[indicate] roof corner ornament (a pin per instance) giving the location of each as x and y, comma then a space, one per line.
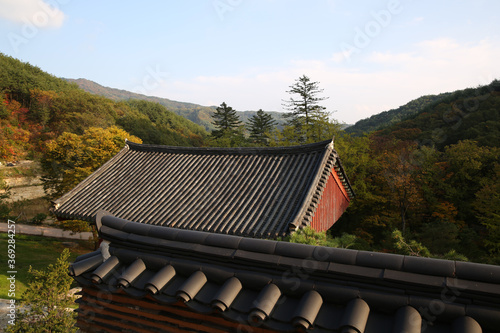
331, 144
126, 143
104, 247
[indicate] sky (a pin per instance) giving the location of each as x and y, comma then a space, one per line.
367, 56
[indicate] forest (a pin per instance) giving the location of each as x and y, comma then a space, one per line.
426, 176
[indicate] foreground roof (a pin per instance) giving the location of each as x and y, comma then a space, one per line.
154, 279
256, 192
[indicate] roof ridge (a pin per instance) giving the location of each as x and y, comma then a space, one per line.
311, 147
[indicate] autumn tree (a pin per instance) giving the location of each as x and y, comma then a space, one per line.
71, 158
401, 176
260, 126
305, 112
41, 102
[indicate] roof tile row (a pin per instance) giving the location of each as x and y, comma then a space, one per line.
291, 286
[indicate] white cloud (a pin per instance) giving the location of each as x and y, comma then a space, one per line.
39, 13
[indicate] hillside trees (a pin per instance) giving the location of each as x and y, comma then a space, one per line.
154, 124
447, 199
36, 107
71, 158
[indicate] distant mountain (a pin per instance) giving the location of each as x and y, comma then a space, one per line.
199, 114
393, 116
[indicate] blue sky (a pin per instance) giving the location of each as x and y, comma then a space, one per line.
368, 56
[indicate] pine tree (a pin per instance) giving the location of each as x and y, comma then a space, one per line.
46, 301
259, 126
226, 121
306, 114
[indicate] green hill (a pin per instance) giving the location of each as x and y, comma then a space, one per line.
393, 116
469, 114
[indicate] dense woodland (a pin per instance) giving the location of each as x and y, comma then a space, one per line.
426, 180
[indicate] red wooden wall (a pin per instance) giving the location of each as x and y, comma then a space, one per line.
333, 203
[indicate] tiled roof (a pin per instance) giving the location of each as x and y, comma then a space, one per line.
256, 192
154, 278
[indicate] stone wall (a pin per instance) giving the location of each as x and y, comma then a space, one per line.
23, 187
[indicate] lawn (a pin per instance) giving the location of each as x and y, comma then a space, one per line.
36, 251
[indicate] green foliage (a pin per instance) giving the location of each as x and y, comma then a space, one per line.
453, 255
46, 301
18, 78
260, 126
309, 236
36, 252
71, 158
76, 226
412, 247
39, 218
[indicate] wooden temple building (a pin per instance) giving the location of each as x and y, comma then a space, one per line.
252, 192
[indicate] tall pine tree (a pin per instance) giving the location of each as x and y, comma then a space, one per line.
306, 113
226, 121
229, 129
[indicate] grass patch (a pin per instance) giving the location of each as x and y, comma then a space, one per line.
36, 251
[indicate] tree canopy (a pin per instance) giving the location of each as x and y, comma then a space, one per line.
71, 158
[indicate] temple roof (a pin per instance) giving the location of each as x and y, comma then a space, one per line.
255, 192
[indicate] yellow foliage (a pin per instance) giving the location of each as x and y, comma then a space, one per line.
71, 158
